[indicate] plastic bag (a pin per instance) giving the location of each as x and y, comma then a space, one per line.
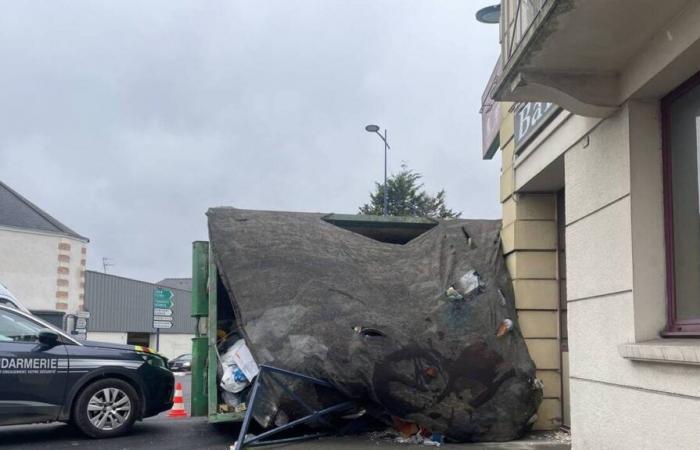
242, 357
239, 367
233, 379
230, 398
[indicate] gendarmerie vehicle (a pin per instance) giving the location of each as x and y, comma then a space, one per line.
46, 375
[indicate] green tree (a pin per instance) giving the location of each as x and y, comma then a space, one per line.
407, 198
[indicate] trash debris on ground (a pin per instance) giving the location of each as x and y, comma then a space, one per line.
371, 318
420, 437
338, 413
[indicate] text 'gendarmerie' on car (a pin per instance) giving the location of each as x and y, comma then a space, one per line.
45, 375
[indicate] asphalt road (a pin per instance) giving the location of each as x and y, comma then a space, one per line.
161, 432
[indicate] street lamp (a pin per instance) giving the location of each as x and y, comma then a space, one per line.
375, 129
490, 14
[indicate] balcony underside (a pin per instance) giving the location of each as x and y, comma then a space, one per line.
589, 56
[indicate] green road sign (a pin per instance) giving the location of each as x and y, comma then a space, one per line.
163, 298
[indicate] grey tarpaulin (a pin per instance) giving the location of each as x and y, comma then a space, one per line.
380, 321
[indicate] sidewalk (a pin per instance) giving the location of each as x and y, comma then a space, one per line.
549, 440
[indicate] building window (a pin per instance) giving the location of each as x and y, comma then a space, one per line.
681, 155
142, 339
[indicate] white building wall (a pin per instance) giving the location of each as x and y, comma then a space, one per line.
114, 338
173, 345
613, 263
616, 280
43, 270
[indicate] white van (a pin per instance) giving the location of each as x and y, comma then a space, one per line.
7, 299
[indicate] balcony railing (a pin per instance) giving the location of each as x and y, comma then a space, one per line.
517, 17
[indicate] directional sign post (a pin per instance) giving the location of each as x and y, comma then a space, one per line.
80, 324
162, 311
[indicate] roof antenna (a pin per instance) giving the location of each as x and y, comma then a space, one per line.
106, 262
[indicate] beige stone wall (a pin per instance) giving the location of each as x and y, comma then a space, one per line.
44, 271
529, 241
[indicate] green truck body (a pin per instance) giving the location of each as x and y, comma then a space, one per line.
205, 309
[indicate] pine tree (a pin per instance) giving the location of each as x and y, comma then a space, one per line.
407, 198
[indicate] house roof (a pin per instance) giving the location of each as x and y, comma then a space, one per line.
177, 283
18, 212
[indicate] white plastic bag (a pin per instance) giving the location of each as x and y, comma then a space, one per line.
239, 367
233, 379
243, 359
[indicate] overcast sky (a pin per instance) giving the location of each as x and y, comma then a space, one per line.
126, 120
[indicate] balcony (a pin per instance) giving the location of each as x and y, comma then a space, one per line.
590, 56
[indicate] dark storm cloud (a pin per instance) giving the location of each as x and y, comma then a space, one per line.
127, 120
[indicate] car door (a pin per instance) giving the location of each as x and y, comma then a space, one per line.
32, 375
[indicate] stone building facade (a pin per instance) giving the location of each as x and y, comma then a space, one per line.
598, 106
43, 261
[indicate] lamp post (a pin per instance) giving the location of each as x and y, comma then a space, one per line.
375, 129
490, 14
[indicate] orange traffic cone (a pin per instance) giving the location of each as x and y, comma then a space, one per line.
178, 409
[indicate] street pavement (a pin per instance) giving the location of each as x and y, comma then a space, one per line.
161, 432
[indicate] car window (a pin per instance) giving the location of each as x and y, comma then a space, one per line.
15, 328
6, 302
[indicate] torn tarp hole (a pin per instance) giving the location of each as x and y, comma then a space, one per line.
390, 230
470, 243
370, 332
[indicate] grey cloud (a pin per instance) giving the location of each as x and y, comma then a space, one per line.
127, 120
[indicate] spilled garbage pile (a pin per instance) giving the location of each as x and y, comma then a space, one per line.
423, 335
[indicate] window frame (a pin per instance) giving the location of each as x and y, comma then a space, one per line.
674, 327
16, 317
66, 339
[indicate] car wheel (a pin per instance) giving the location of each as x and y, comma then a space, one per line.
106, 408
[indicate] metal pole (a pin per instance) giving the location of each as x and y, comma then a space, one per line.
386, 191
157, 339
200, 310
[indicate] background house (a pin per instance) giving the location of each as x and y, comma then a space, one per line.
42, 261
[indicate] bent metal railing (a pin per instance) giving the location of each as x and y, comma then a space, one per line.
517, 16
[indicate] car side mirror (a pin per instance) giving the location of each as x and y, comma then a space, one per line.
49, 338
